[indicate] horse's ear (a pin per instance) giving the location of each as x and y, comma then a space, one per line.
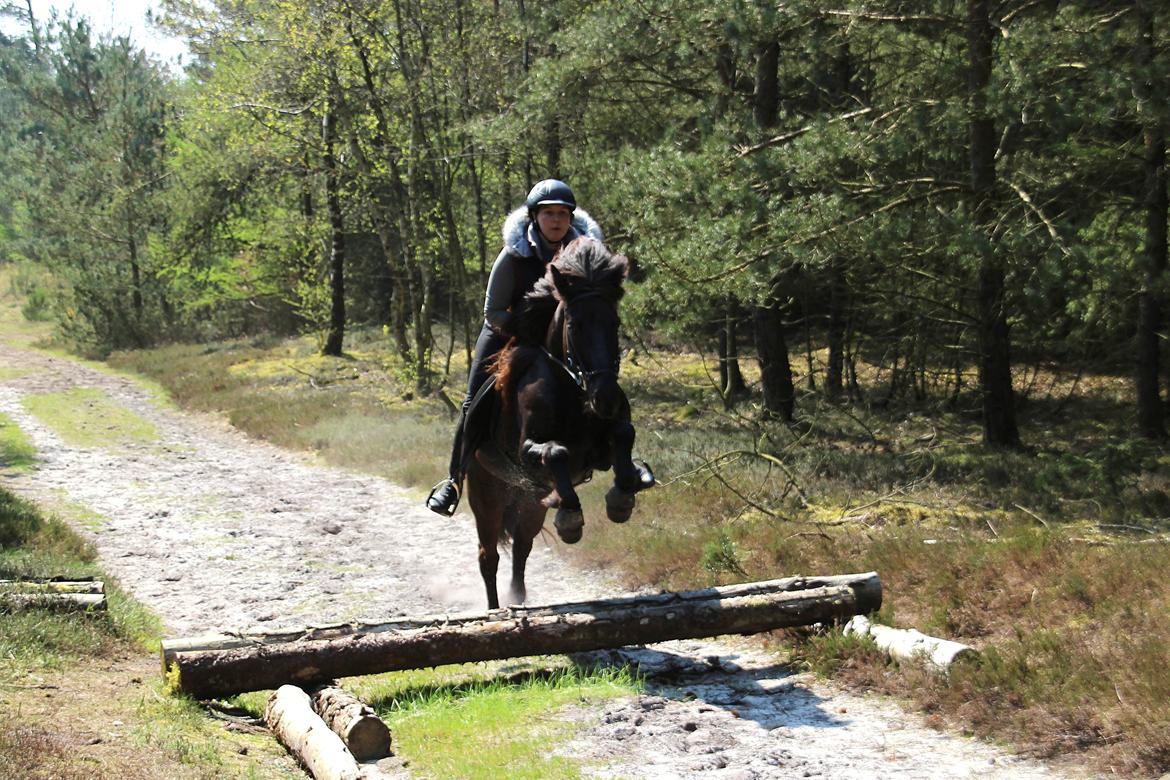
624, 263
558, 279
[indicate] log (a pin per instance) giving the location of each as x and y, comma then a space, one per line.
223, 665
80, 602
291, 717
52, 586
360, 728
907, 644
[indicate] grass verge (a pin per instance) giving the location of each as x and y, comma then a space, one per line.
79, 693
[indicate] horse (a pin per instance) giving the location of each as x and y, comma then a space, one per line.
560, 414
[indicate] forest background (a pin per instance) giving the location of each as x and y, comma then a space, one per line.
924, 245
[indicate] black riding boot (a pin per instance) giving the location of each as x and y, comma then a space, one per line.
444, 497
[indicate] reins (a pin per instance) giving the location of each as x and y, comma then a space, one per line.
577, 372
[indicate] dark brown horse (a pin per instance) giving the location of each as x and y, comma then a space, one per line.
560, 414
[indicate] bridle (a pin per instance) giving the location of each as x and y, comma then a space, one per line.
572, 365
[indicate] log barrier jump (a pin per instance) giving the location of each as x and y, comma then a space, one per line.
227, 664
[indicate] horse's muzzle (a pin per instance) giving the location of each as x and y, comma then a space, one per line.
604, 396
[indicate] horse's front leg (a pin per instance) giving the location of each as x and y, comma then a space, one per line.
628, 477
554, 457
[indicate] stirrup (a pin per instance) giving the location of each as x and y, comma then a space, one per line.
447, 507
646, 477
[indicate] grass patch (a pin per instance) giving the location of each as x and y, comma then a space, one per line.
485, 720
16, 451
33, 546
474, 721
77, 691
85, 417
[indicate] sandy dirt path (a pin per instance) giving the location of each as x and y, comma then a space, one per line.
215, 531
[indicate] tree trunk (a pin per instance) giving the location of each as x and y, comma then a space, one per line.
995, 374
1152, 263
221, 666
834, 370
360, 728
775, 370
766, 98
307, 737
731, 384
336, 337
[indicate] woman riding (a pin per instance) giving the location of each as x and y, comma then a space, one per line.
533, 233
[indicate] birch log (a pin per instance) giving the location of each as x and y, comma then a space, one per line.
907, 644
79, 595
52, 586
69, 602
360, 728
225, 665
290, 716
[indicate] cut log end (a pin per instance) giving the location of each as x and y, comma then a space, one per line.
364, 733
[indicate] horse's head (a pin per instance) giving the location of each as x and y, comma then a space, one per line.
587, 280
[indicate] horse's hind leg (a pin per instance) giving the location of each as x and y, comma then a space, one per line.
529, 520
488, 508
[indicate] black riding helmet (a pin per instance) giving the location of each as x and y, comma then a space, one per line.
550, 192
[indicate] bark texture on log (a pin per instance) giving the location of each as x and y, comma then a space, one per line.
907, 644
360, 728
222, 665
68, 602
52, 586
291, 717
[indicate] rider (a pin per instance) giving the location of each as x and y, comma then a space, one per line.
548, 220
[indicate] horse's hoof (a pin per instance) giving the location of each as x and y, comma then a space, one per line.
619, 504
570, 525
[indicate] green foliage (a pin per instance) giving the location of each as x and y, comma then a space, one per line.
720, 555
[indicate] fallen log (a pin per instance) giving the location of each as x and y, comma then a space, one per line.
80, 602
306, 736
360, 728
908, 644
52, 586
228, 664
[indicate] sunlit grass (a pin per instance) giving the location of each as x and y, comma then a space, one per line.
86, 417
16, 450
455, 722
485, 720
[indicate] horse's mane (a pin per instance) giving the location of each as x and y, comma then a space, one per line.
584, 266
